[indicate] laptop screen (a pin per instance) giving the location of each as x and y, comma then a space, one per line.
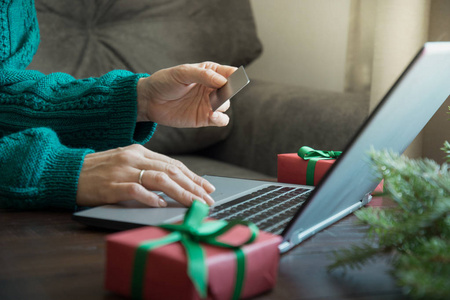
401, 115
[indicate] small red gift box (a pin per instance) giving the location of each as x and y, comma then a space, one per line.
165, 270
293, 169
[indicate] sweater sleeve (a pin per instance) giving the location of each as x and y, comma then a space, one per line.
98, 113
38, 171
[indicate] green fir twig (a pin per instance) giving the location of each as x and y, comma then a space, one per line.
446, 150
416, 232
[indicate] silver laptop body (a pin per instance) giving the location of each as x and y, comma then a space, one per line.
398, 119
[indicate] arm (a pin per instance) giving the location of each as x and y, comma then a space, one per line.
98, 113
101, 113
37, 171
51, 173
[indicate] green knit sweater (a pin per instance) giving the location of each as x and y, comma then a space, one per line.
48, 123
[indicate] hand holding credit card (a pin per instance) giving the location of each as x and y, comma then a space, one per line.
236, 82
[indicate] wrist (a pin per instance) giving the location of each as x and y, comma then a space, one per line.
142, 103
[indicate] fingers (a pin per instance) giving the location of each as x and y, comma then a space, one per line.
172, 177
134, 191
172, 165
209, 74
116, 175
226, 71
224, 107
176, 182
218, 119
188, 74
176, 187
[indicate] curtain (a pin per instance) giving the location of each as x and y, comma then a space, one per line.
438, 129
384, 35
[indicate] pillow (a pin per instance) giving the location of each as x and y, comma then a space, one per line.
89, 38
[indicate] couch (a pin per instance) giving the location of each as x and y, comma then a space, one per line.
91, 37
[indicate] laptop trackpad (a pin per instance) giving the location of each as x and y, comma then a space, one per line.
131, 212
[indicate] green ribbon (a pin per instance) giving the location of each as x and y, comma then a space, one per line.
313, 156
190, 233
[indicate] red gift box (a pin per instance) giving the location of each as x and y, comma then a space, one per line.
166, 267
292, 168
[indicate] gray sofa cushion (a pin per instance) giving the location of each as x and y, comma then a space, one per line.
202, 165
283, 118
91, 37
178, 141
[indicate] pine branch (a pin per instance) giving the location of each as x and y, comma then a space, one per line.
446, 150
417, 230
426, 272
355, 256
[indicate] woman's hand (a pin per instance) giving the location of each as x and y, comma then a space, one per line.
113, 176
179, 96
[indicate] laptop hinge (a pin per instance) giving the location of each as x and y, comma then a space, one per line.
284, 246
298, 236
367, 198
301, 234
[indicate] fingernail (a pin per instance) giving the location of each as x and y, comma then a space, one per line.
210, 199
219, 80
162, 203
209, 187
201, 200
215, 115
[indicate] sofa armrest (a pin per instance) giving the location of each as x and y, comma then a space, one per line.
270, 118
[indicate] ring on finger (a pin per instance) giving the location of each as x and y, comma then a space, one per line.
141, 174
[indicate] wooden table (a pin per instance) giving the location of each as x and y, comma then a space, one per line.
47, 255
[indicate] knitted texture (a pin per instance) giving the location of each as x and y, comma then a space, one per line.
19, 33
38, 171
98, 113
48, 123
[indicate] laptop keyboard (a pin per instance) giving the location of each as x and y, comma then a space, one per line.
270, 208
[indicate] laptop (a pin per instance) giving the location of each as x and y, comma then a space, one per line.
302, 211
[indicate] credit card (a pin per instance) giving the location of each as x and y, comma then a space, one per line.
236, 82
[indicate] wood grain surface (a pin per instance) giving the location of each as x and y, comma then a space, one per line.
47, 255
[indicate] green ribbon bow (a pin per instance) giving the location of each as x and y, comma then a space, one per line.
190, 233
308, 153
